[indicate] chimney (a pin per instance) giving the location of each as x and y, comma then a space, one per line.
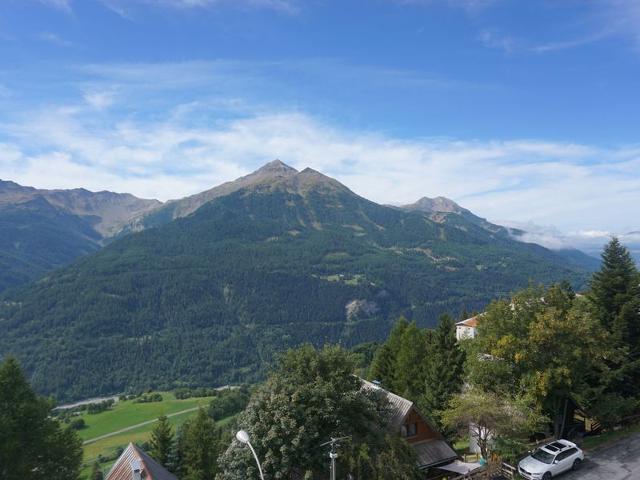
136, 470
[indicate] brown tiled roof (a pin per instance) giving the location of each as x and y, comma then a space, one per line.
469, 322
134, 457
433, 452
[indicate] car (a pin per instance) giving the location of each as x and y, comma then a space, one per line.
550, 460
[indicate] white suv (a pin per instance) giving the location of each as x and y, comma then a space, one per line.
550, 460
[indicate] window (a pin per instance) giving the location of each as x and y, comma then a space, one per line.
412, 430
566, 454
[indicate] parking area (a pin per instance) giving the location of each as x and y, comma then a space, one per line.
619, 461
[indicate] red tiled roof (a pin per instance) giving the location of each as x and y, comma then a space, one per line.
136, 457
469, 322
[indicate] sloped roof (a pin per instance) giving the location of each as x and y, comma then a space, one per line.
469, 322
433, 452
134, 456
399, 407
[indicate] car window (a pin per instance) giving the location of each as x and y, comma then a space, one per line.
542, 456
566, 454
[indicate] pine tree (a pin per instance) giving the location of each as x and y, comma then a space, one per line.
96, 472
32, 444
383, 367
443, 368
200, 445
615, 284
409, 375
161, 441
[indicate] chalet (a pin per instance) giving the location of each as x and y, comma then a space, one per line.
467, 328
431, 447
135, 464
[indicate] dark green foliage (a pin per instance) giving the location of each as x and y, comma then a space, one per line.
36, 237
199, 444
615, 294
443, 370
77, 424
149, 398
32, 445
161, 441
228, 402
311, 397
96, 472
383, 367
208, 299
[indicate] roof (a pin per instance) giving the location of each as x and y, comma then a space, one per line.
399, 407
433, 452
469, 322
134, 457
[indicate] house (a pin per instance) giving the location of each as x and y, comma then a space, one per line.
135, 464
467, 328
431, 448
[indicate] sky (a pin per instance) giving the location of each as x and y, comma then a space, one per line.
527, 113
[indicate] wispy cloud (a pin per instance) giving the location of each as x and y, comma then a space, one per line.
127, 8
54, 39
64, 5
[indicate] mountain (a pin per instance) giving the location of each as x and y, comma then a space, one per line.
269, 261
41, 230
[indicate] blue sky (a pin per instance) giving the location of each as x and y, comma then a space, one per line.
521, 111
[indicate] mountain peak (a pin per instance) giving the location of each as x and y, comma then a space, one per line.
276, 166
435, 205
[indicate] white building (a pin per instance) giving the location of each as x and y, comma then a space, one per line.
467, 328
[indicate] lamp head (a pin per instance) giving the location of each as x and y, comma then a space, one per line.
242, 436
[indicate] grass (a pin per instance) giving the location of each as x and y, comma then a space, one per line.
127, 413
605, 438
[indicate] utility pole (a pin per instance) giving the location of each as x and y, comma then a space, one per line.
333, 453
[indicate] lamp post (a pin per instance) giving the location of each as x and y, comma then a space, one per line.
243, 437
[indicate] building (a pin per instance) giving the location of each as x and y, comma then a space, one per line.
431, 447
467, 328
135, 464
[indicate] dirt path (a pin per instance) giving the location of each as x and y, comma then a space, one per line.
133, 427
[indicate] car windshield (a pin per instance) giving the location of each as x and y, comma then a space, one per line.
542, 456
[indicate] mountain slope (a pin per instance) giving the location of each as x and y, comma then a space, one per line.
285, 258
44, 229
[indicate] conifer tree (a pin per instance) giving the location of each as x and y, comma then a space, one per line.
200, 445
32, 445
383, 367
96, 472
409, 375
443, 368
161, 441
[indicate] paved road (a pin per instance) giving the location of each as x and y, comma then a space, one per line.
619, 461
132, 427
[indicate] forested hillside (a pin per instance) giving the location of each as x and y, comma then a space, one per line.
41, 230
289, 258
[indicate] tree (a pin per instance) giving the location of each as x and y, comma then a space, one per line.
32, 444
409, 372
488, 416
547, 342
615, 284
96, 472
443, 369
383, 367
310, 397
200, 445
161, 441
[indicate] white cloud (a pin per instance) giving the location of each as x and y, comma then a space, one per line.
100, 100
126, 8
54, 39
64, 5
578, 187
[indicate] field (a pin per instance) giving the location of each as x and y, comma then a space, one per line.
126, 414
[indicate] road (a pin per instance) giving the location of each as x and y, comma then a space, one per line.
133, 427
619, 461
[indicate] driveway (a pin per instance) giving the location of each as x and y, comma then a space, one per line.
619, 461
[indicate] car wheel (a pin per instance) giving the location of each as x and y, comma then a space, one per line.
576, 464
546, 476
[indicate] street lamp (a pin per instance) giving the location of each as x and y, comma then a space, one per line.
243, 437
